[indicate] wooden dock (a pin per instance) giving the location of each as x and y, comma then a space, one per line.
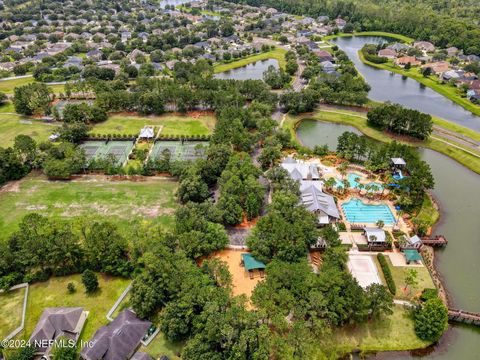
464, 317
437, 241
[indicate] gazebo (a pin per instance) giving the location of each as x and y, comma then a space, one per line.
251, 264
412, 255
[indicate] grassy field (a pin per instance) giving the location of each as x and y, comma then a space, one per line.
423, 277
53, 293
399, 37
161, 346
449, 91
395, 332
7, 107
121, 201
7, 86
11, 126
172, 124
277, 53
359, 121
11, 304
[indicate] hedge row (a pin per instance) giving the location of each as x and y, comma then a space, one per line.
387, 273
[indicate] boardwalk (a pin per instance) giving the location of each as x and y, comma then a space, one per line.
437, 241
464, 317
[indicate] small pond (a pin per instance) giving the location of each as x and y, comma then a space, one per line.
313, 132
253, 71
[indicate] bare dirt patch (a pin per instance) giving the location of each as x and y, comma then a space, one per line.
12, 186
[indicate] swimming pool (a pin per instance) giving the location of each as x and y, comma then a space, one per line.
353, 181
358, 212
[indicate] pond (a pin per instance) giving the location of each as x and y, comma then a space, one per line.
387, 86
175, 3
309, 129
252, 71
457, 192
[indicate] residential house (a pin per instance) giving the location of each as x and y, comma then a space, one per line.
300, 170
55, 323
404, 60
94, 54
340, 23
141, 356
452, 51
118, 340
424, 46
438, 67
125, 36
473, 95
324, 55
388, 53
398, 47
134, 54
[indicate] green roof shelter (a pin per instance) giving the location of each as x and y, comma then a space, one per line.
251, 264
412, 255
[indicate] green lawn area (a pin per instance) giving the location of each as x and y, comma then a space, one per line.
395, 332
449, 91
277, 53
423, 278
53, 293
359, 121
7, 107
161, 346
172, 124
11, 304
399, 37
121, 201
11, 126
428, 213
7, 86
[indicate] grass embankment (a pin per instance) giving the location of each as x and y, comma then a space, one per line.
13, 125
172, 124
359, 121
428, 213
451, 92
277, 54
53, 293
393, 333
11, 305
399, 37
7, 86
121, 201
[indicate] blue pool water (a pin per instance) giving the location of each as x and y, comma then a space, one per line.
358, 212
353, 181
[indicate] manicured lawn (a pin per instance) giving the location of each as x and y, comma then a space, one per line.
399, 37
7, 86
423, 278
7, 107
53, 293
172, 124
13, 125
161, 346
449, 91
120, 201
395, 332
359, 121
277, 53
11, 304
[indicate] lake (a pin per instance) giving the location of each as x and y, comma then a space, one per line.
252, 71
330, 132
387, 86
457, 192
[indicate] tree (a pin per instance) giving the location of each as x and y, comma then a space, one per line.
24, 353
32, 99
431, 320
411, 278
285, 232
90, 281
380, 301
64, 349
71, 288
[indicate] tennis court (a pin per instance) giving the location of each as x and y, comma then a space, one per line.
100, 149
188, 150
363, 268
60, 105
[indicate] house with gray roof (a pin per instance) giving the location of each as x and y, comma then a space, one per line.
141, 356
56, 323
299, 170
118, 340
317, 202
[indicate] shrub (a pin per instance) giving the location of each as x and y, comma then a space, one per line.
342, 227
71, 288
428, 294
387, 273
90, 281
431, 320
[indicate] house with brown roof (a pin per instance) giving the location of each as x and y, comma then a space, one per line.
388, 53
438, 67
424, 45
404, 60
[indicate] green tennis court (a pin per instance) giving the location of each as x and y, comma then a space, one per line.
187, 150
100, 149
